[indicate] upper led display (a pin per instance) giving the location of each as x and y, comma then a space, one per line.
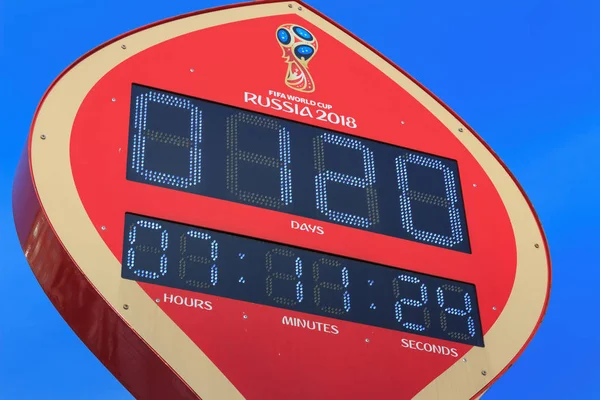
228, 153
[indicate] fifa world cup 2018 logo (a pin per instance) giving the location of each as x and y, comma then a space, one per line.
299, 46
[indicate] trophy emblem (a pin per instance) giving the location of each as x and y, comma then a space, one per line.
299, 46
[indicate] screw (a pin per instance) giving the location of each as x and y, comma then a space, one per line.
245, 316
191, 69
290, 6
158, 300
125, 306
483, 372
123, 46
494, 308
402, 122
537, 246
113, 99
464, 360
299, 8
367, 340
460, 129
43, 137
474, 185
103, 228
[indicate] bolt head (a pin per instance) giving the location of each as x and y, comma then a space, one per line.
460, 129
402, 122
125, 307
123, 46
494, 308
290, 6
299, 8
537, 246
191, 69
157, 300
367, 340
103, 227
43, 137
464, 360
113, 99
245, 316
484, 372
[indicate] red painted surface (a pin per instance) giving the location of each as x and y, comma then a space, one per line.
336, 366
95, 322
341, 365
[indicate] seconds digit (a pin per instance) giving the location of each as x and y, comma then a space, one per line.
457, 312
402, 283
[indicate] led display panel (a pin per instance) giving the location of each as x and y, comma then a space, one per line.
207, 261
202, 147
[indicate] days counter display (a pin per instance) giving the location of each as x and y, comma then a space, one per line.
210, 149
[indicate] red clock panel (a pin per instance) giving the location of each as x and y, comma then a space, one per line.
290, 216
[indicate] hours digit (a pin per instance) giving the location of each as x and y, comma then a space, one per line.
187, 271
141, 265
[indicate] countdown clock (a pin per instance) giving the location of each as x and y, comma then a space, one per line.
250, 202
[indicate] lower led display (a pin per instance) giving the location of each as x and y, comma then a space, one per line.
237, 267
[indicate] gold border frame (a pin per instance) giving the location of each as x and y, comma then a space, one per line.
51, 171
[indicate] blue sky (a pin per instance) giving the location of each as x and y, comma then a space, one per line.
523, 73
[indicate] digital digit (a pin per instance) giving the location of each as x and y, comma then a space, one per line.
296, 264
325, 176
449, 201
459, 312
189, 240
159, 249
281, 163
402, 282
342, 288
164, 142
